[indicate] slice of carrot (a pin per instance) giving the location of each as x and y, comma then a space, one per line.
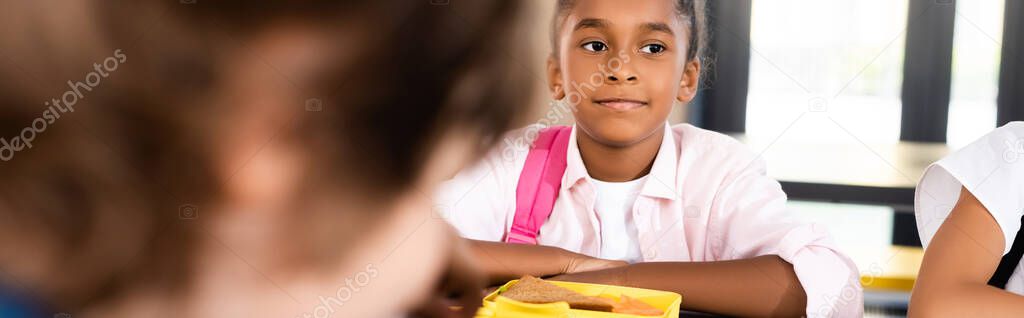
633, 306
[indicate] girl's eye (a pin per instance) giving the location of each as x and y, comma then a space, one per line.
595, 46
652, 48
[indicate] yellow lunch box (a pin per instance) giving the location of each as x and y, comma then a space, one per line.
496, 306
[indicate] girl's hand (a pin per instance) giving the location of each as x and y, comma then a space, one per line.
579, 263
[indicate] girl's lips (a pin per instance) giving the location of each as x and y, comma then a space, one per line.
620, 104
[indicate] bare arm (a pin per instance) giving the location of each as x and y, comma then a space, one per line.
760, 286
502, 262
963, 255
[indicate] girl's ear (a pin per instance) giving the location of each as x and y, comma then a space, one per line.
689, 84
555, 79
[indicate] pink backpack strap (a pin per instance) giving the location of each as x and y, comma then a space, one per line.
539, 184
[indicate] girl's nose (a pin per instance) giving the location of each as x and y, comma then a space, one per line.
615, 78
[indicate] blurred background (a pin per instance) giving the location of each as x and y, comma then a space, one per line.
849, 102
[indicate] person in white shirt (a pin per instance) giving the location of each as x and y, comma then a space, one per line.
969, 210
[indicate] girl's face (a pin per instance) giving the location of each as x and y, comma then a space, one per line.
622, 64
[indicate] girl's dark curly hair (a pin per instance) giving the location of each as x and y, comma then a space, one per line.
692, 12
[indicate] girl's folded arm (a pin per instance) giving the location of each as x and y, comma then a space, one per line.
502, 262
749, 220
761, 286
751, 249
962, 256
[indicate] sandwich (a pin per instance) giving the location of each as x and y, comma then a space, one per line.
533, 290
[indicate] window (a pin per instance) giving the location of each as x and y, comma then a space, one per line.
826, 71
976, 49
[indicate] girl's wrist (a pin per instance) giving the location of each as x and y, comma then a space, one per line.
564, 260
612, 276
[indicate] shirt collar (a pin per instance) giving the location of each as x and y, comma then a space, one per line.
660, 184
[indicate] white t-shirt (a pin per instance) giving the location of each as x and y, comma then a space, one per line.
992, 169
613, 204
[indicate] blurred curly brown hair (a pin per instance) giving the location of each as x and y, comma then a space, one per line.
94, 204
